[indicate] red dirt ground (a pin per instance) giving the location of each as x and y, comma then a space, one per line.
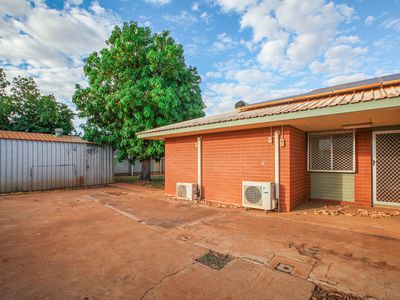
133, 242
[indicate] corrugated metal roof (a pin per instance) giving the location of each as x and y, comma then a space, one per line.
42, 137
339, 87
370, 94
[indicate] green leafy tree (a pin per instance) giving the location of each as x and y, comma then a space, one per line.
6, 106
3, 83
138, 82
25, 109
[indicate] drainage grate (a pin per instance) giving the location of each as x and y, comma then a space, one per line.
215, 260
284, 268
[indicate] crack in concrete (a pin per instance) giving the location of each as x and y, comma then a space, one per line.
302, 249
316, 253
165, 277
252, 260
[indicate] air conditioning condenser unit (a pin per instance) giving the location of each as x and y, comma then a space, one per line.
259, 195
188, 191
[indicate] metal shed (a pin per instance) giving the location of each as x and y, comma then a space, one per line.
36, 161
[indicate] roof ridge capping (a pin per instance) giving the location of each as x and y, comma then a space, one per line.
41, 137
315, 94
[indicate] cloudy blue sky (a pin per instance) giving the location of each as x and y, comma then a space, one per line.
244, 49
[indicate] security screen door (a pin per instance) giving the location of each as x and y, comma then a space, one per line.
386, 167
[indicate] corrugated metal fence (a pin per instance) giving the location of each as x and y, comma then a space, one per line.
122, 167
125, 168
33, 165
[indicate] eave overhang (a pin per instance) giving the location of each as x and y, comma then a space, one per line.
273, 120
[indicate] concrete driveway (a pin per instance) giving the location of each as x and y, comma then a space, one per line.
133, 242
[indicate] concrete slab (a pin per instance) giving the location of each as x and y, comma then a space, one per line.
358, 277
153, 208
238, 280
129, 242
298, 268
71, 247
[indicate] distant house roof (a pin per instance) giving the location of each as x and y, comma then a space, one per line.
42, 137
355, 92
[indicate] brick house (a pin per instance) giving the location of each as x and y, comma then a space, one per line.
339, 144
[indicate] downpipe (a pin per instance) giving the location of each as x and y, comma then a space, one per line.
277, 168
199, 164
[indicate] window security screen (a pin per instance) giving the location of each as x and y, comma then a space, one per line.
331, 152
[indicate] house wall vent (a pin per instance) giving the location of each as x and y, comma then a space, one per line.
258, 195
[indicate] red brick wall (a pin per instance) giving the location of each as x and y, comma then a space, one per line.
231, 157
295, 183
363, 176
299, 176
180, 162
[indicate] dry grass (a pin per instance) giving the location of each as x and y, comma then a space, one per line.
321, 293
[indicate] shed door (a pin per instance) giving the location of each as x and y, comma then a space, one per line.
94, 165
386, 167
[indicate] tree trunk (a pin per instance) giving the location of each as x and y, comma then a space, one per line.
145, 171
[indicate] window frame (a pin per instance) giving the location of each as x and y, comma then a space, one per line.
331, 133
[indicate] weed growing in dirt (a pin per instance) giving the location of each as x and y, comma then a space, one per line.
215, 260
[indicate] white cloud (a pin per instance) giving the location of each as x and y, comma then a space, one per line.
250, 76
158, 2
221, 97
393, 24
73, 31
388, 43
96, 8
74, 2
340, 59
14, 7
351, 39
59, 81
225, 95
191, 48
212, 74
291, 33
263, 25
184, 18
51, 44
291, 37
238, 5
272, 53
195, 6
145, 21
369, 20
224, 42
340, 79
241, 79
206, 17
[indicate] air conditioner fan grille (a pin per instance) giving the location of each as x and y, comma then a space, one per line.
253, 194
